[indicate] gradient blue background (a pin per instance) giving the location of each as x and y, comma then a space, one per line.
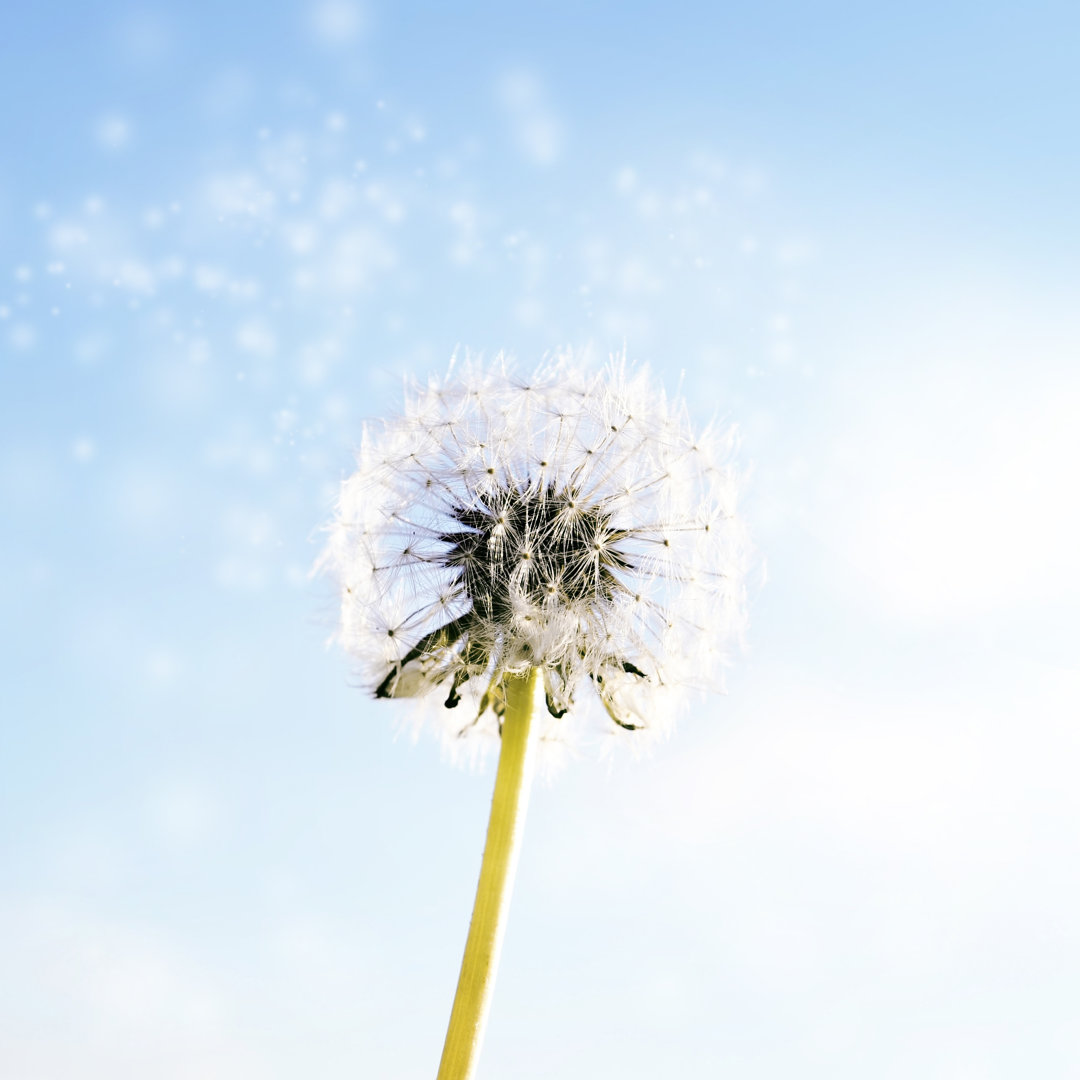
225, 233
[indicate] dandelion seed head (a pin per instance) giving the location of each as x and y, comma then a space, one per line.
567, 519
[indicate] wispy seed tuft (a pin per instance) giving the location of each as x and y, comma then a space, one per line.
570, 521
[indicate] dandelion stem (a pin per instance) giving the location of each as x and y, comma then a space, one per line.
468, 1017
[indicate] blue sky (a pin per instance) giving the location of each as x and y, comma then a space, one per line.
225, 235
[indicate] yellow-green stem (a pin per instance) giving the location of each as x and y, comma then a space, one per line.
468, 1017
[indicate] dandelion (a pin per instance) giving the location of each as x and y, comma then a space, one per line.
547, 558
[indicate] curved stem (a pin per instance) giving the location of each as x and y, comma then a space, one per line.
468, 1017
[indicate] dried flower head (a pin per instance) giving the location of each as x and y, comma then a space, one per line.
568, 520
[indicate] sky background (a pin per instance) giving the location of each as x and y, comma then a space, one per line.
227, 231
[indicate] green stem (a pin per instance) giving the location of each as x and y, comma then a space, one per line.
468, 1017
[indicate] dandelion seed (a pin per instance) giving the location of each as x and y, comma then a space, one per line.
534, 558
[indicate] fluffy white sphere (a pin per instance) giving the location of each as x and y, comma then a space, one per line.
567, 519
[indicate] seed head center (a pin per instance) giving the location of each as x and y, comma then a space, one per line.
519, 541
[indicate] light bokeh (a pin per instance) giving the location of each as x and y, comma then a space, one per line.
226, 232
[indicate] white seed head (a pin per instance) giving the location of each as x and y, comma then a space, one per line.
568, 519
